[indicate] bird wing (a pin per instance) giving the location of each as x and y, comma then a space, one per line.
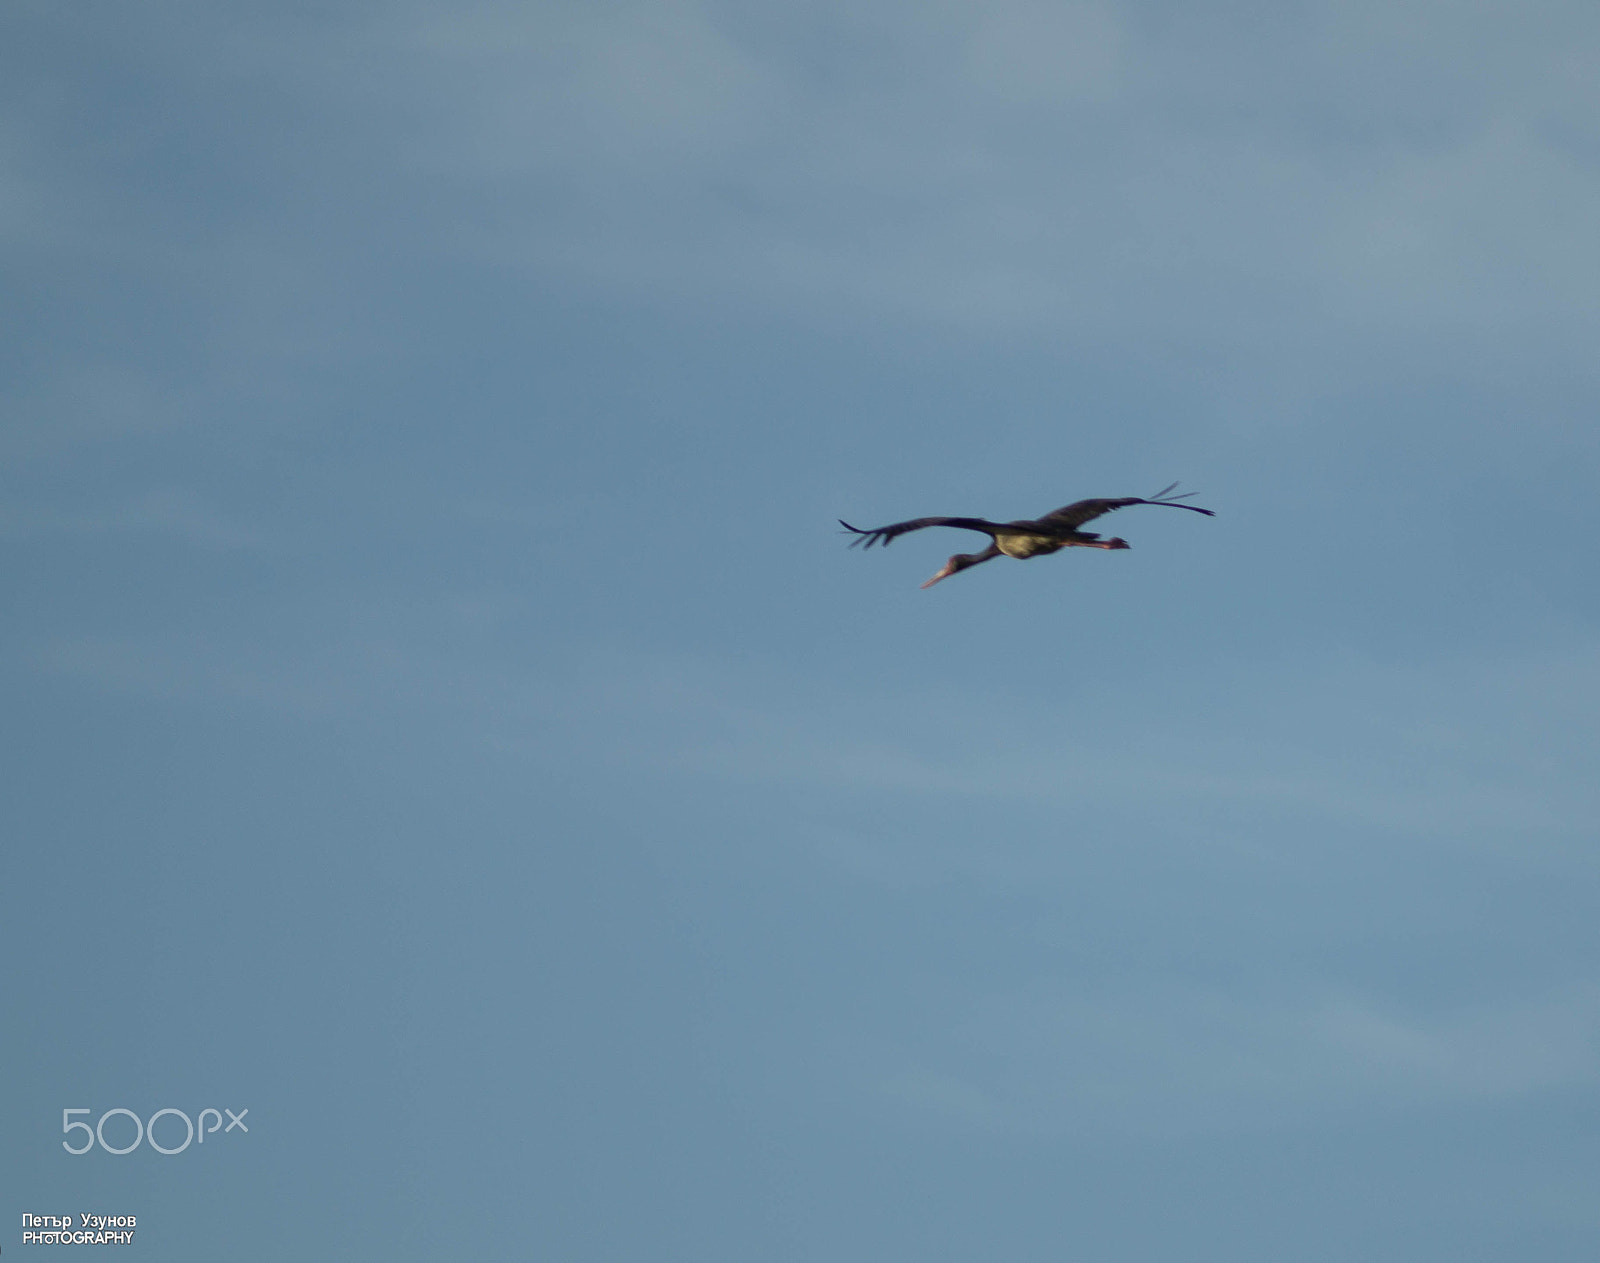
1087, 510
883, 535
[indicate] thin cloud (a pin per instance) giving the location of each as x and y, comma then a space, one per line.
717, 161
1171, 1061
165, 512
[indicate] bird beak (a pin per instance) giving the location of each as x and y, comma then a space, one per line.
943, 574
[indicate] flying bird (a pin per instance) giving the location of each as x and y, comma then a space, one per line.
1024, 539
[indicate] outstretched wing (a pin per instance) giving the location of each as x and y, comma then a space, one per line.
1087, 510
885, 534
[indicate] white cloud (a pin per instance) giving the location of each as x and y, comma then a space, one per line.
94, 401
1171, 1060
1474, 752
167, 512
1468, 747
1034, 167
576, 90
1034, 52
1336, 189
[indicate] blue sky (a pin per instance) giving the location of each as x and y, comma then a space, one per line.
443, 718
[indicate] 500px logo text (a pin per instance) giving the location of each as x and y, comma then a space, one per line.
147, 1130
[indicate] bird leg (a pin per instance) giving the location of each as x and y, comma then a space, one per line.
1113, 542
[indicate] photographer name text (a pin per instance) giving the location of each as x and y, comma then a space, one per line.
90, 1229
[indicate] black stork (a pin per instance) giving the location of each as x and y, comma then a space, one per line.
1024, 539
